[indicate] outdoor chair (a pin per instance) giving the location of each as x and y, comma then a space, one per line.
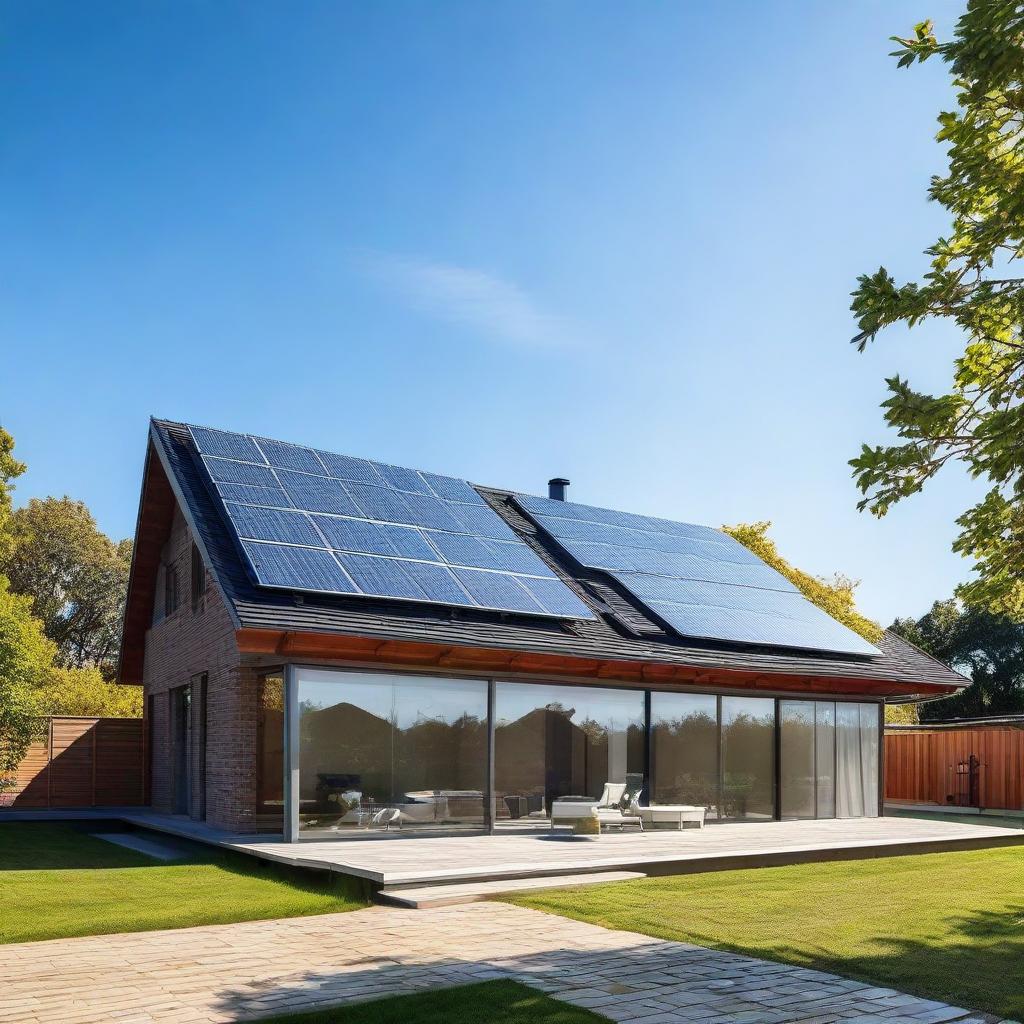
611, 809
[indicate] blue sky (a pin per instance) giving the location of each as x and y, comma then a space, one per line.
506, 241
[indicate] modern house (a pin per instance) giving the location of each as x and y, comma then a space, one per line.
322, 637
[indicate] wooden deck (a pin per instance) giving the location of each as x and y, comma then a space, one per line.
406, 859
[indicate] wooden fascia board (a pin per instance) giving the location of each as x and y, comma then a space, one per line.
438, 656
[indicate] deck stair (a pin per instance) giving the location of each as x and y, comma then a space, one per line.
420, 896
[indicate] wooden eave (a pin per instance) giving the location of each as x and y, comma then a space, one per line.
380, 652
156, 514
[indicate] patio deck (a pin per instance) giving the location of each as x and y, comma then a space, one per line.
398, 861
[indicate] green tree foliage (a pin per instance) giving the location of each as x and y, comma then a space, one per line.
10, 468
979, 422
85, 691
986, 646
834, 596
25, 655
76, 577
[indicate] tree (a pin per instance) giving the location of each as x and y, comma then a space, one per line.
833, 596
84, 691
986, 646
25, 654
979, 422
76, 576
10, 468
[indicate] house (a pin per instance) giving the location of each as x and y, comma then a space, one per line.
321, 638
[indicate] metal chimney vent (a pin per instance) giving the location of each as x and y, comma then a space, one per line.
557, 488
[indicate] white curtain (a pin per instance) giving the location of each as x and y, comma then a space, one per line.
849, 783
857, 742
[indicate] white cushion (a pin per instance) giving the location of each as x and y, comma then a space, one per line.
611, 794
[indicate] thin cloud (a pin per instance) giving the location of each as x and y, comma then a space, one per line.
483, 303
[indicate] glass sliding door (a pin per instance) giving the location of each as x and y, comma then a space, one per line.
857, 740
748, 758
869, 757
798, 774
825, 757
557, 741
684, 750
270, 753
418, 746
375, 741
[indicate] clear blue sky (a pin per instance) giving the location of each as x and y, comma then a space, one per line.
506, 241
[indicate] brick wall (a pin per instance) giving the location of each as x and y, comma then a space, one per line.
180, 647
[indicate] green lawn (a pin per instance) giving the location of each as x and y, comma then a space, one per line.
491, 1002
949, 926
56, 881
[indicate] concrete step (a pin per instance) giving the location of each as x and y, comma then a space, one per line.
418, 897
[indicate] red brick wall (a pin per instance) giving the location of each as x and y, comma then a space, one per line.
180, 647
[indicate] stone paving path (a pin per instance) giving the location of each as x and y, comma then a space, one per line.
244, 971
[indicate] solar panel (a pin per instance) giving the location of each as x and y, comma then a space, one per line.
699, 581
310, 520
281, 565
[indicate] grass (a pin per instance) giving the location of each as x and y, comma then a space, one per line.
490, 1002
947, 926
57, 881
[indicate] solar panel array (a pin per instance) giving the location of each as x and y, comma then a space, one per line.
311, 520
700, 581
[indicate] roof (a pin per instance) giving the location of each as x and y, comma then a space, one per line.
991, 722
621, 631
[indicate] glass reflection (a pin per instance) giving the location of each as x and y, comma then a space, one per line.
748, 758
797, 768
373, 742
684, 749
558, 741
825, 757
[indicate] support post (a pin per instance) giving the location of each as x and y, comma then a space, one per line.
777, 756
881, 759
648, 754
291, 755
490, 806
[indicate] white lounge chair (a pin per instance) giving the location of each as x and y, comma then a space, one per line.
606, 809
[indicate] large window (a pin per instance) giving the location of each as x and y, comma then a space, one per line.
829, 759
557, 741
374, 741
684, 749
825, 757
748, 758
798, 768
270, 752
857, 760
418, 747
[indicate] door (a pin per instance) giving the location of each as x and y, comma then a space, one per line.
181, 748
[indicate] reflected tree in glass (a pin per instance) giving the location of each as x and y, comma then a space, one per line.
684, 750
748, 757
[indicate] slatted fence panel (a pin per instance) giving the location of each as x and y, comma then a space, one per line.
920, 766
82, 762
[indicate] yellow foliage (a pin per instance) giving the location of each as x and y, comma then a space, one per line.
84, 691
901, 714
834, 597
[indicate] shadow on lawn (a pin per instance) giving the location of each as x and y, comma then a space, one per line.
718, 982
980, 964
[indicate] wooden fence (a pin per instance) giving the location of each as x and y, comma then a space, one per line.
83, 762
929, 766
